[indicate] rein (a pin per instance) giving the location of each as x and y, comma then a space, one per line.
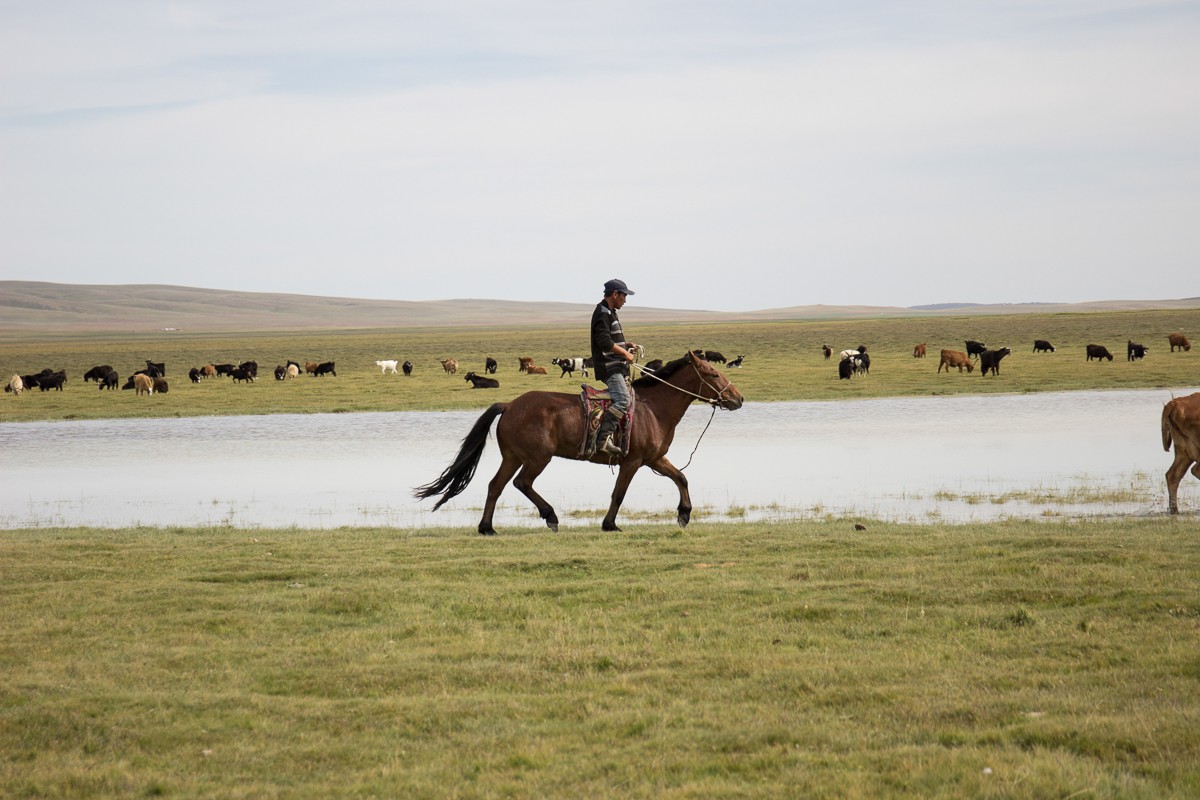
715, 403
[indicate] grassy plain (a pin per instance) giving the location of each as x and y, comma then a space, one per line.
783, 362
761, 660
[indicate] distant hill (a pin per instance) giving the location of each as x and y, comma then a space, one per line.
37, 307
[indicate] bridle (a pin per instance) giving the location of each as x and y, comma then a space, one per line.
715, 402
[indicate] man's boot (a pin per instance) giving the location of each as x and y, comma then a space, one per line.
606, 432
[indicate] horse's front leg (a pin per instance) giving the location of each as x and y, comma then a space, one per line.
664, 467
624, 477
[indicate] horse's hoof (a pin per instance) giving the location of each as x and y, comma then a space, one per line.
610, 528
552, 526
486, 531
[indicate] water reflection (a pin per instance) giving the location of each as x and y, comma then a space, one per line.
909, 459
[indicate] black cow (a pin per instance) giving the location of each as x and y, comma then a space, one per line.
714, 356
990, 359
281, 372
407, 367
478, 382
974, 348
737, 362
251, 367
160, 385
156, 370
845, 369
224, 369
1135, 351
242, 374
863, 364
1098, 352
1042, 346
194, 374
827, 350
97, 373
325, 368
489, 366
55, 380
109, 381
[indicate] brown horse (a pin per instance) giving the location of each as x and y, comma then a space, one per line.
537, 426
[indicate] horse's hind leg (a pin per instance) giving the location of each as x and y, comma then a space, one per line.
1175, 474
508, 468
664, 467
524, 482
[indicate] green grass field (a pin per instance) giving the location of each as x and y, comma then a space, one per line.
783, 362
764, 660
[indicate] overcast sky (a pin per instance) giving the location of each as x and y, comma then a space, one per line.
722, 154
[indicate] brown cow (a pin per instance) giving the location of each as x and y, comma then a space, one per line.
310, 367
956, 358
535, 370
143, 384
450, 365
208, 371
919, 351
1180, 341
1181, 425
524, 363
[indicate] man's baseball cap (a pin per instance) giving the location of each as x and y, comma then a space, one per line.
616, 285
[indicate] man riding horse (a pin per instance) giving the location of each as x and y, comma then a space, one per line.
612, 356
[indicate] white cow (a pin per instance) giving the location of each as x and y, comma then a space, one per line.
384, 366
15, 385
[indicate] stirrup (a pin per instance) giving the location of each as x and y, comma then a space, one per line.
609, 446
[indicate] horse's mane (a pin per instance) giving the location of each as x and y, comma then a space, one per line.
660, 374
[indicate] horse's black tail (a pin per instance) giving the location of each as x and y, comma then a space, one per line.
456, 476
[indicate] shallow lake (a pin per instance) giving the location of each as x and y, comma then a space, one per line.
952, 459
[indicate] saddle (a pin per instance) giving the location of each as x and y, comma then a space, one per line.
595, 404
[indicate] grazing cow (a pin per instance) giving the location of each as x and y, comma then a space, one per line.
1098, 352
569, 366
652, 366
242, 374
208, 371
407, 366
919, 350
990, 359
1181, 427
490, 365
194, 375
52, 381
280, 372
974, 348
160, 384
450, 365
1042, 346
737, 362
142, 383
863, 363
110, 381
524, 363
293, 371
478, 382
224, 369
956, 358
325, 368
97, 373
714, 356
535, 370
385, 365
827, 350
852, 353
845, 369
156, 369
15, 385
310, 367
250, 367
1180, 341
1135, 351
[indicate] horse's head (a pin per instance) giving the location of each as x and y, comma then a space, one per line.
714, 386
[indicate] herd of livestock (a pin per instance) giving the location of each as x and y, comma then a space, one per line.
858, 361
